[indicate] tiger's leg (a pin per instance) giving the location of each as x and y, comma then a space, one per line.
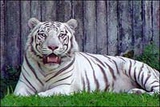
145, 76
139, 91
62, 89
24, 87
23, 90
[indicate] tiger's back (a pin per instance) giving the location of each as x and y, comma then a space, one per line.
109, 73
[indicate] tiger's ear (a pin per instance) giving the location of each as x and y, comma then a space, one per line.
72, 23
33, 22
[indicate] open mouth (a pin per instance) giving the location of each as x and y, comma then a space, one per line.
52, 58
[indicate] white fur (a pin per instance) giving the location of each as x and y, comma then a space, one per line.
88, 72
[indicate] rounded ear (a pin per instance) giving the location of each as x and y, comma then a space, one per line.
72, 23
32, 22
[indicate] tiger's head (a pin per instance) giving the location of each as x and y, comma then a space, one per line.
52, 41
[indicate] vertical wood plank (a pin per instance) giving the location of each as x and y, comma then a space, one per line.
63, 10
60, 10
36, 9
12, 39
101, 28
77, 13
48, 10
2, 42
124, 27
147, 25
67, 10
89, 26
137, 26
156, 22
112, 27
25, 16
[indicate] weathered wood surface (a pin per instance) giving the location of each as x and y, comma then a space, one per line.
156, 22
78, 14
106, 27
112, 30
24, 30
2, 40
12, 30
137, 26
101, 28
89, 27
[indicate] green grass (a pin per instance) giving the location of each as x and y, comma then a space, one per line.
83, 99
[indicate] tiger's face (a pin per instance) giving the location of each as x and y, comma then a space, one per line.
53, 41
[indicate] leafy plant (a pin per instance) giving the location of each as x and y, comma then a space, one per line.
150, 56
8, 82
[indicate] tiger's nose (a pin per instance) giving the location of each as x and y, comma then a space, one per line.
52, 47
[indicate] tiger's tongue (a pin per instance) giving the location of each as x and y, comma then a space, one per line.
51, 59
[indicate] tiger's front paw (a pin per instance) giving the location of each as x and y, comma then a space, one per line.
44, 94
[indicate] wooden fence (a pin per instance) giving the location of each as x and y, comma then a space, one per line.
107, 27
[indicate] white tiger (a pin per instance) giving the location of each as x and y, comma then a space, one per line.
53, 65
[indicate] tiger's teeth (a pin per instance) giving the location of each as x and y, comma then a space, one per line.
51, 59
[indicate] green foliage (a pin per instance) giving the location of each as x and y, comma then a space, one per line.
84, 99
150, 56
129, 54
9, 82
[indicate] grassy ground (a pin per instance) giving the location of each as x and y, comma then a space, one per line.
84, 99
